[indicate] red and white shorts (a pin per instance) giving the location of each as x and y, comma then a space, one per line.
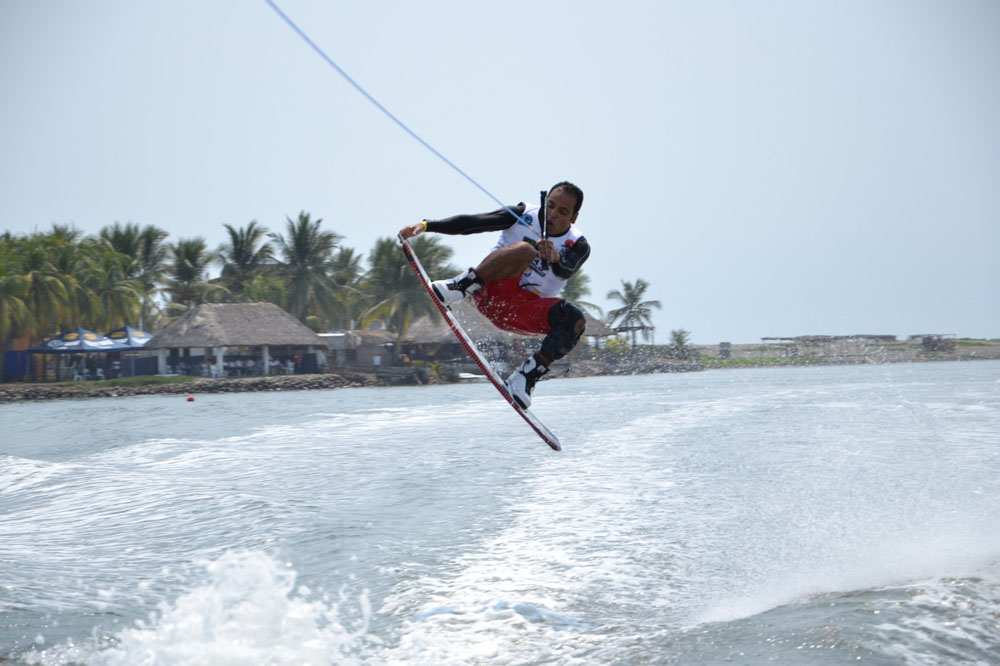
512, 308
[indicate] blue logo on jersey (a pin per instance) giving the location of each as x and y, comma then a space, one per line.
525, 220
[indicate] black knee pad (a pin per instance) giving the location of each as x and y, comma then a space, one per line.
564, 318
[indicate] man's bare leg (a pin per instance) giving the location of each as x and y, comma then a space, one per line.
501, 263
506, 262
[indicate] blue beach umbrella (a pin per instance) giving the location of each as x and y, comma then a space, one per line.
131, 338
77, 341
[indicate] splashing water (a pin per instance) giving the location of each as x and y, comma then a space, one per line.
248, 612
799, 516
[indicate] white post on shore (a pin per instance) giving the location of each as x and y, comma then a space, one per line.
220, 357
266, 359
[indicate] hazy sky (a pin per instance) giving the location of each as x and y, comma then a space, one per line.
771, 168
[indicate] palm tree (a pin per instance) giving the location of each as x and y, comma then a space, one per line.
187, 275
346, 272
144, 245
152, 259
634, 313
45, 290
679, 339
58, 280
304, 264
244, 257
576, 288
66, 233
16, 320
105, 278
266, 289
397, 295
69, 258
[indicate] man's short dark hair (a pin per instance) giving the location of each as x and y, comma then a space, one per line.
572, 189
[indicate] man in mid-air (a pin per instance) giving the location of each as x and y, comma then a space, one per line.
517, 285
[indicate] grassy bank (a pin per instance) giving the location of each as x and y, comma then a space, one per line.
713, 363
100, 385
153, 385
846, 351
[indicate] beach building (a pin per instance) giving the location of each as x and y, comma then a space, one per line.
237, 339
363, 350
430, 340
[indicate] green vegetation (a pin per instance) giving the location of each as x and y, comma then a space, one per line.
395, 294
141, 380
635, 313
679, 339
125, 382
968, 342
616, 346
127, 274
53, 281
714, 362
577, 288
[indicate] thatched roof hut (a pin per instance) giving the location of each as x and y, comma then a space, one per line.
235, 325
430, 330
596, 328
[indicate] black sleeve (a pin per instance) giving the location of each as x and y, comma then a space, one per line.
572, 259
473, 224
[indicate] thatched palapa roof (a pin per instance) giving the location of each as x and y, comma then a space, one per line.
234, 325
428, 330
595, 327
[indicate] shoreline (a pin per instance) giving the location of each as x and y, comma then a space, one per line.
21, 392
11, 393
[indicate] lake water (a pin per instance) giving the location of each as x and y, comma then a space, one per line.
825, 515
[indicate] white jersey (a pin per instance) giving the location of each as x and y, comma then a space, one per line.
539, 278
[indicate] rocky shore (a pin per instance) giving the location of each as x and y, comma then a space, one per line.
585, 363
21, 392
848, 351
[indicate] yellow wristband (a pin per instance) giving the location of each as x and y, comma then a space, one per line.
425, 224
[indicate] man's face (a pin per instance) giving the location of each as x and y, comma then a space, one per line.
559, 206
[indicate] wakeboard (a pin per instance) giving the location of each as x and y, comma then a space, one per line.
470, 347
